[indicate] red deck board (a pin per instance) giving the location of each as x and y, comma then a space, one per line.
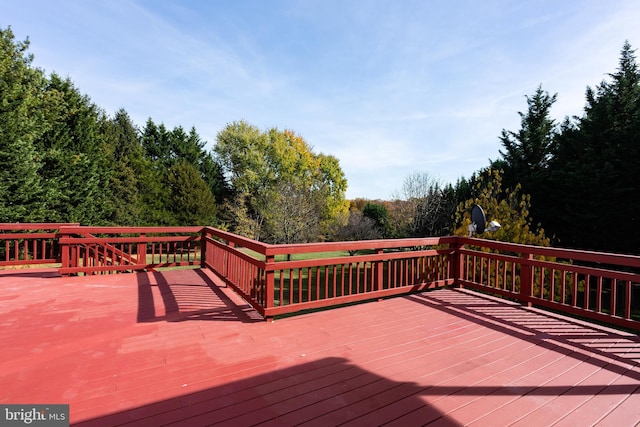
452, 384
178, 348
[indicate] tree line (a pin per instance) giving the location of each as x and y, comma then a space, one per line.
573, 184
63, 159
583, 173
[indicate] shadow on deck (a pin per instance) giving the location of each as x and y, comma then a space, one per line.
202, 299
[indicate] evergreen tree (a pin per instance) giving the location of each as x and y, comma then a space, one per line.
527, 153
379, 214
594, 180
155, 200
213, 175
127, 166
74, 164
25, 106
187, 147
156, 143
172, 156
191, 200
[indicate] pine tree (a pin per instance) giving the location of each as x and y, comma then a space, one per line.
127, 165
24, 107
594, 178
74, 163
528, 151
191, 200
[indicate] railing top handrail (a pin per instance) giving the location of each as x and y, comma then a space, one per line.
18, 236
21, 226
254, 245
378, 244
574, 254
128, 230
297, 248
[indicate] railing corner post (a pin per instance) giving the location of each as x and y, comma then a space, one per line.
203, 248
67, 259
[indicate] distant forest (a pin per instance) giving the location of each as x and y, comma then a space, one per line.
63, 159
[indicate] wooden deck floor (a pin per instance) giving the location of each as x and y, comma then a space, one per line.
175, 348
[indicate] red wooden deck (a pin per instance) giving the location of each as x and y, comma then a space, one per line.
176, 348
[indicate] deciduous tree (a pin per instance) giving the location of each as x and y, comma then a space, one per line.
428, 206
508, 207
262, 165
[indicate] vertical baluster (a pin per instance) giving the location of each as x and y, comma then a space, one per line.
586, 291
346, 285
504, 275
300, 289
313, 271
614, 295
282, 285
627, 300
599, 294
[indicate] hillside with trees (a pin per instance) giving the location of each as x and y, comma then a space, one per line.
64, 159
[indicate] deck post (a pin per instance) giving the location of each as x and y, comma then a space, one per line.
526, 279
142, 251
64, 251
269, 297
203, 248
456, 263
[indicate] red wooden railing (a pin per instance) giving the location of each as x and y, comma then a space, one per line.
275, 285
599, 286
118, 249
29, 244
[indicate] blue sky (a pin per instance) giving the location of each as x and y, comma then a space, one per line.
389, 87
